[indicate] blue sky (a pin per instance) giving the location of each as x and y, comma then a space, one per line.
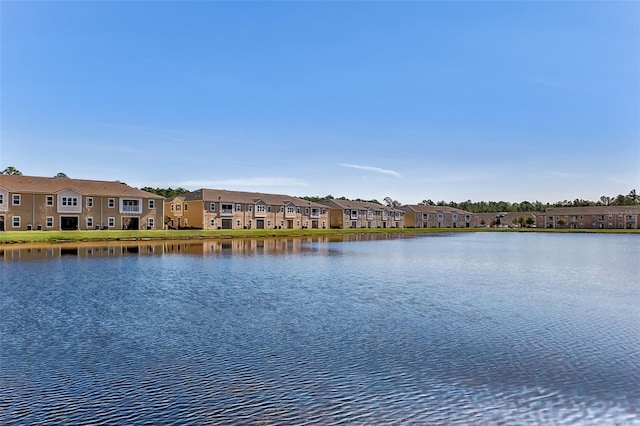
413, 100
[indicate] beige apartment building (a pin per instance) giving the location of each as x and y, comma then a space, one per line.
222, 209
428, 216
597, 217
41, 203
347, 214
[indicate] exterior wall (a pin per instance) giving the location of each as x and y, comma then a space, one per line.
242, 215
45, 212
247, 216
366, 218
433, 217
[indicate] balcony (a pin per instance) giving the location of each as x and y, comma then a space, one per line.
131, 209
315, 213
226, 211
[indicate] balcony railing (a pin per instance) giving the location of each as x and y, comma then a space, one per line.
226, 211
131, 209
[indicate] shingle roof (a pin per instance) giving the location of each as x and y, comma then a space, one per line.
425, 208
223, 195
591, 210
356, 205
45, 185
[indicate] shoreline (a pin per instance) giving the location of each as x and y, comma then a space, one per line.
58, 237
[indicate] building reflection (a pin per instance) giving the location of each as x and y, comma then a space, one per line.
244, 246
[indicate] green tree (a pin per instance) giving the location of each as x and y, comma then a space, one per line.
561, 223
530, 221
61, 175
389, 202
11, 171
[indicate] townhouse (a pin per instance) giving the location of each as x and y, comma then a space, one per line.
222, 209
428, 216
596, 217
41, 203
363, 214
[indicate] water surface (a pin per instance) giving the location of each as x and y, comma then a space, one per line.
479, 328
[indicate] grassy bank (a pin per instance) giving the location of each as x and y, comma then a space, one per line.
18, 237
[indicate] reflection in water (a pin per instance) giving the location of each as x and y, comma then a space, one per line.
189, 247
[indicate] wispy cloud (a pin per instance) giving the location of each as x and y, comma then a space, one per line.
372, 169
458, 178
550, 83
619, 181
565, 175
257, 181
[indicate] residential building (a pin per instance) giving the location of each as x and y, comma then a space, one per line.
596, 217
363, 214
428, 216
222, 209
41, 203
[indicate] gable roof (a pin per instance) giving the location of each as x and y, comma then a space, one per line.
225, 196
424, 208
45, 185
357, 205
598, 210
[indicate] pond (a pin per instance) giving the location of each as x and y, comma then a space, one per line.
455, 328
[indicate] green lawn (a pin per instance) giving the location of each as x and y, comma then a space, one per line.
16, 237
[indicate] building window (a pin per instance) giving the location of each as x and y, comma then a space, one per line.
291, 209
212, 207
269, 209
130, 206
152, 204
70, 201
16, 201
238, 207
298, 210
238, 223
111, 203
1, 199
306, 211
212, 222
49, 200
260, 208
250, 207
298, 223
49, 221
324, 211
186, 207
16, 222
89, 201
281, 209
178, 207
89, 222
171, 207
112, 222
150, 223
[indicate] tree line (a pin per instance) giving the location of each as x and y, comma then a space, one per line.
631, 199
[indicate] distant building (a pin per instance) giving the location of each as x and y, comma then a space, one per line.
428, 216
221, 209
41, 203
504, 218
596, 217
347, 214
